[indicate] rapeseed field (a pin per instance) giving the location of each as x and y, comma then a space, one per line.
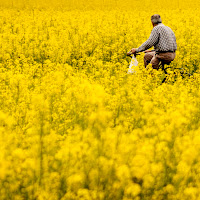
74, 125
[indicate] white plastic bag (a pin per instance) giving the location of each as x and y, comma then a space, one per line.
133, 65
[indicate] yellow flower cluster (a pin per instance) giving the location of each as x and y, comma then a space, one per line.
75, 126
99, 4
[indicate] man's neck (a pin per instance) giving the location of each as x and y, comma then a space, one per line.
156, 24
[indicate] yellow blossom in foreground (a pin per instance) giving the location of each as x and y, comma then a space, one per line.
74, 125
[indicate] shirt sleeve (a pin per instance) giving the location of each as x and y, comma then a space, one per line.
152, 41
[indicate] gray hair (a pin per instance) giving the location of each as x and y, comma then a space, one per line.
156, 19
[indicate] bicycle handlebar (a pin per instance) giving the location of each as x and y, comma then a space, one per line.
130, 53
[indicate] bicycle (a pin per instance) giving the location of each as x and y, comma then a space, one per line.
162, 65
181, 71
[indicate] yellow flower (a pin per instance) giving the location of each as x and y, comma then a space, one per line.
132, 190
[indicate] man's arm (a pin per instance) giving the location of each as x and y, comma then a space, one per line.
152, 41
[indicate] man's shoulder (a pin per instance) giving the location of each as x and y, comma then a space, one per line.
159, 26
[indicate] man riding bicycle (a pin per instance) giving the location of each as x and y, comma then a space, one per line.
164, 41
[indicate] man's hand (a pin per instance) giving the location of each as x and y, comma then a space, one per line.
132, 51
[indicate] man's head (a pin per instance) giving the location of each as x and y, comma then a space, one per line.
156, 19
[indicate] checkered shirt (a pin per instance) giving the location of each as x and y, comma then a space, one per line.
162, 38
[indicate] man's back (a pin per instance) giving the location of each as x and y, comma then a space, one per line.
166, 38
162, 38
